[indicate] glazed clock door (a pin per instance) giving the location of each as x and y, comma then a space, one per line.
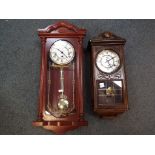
61, 78
108, 61
108, 75
109, 91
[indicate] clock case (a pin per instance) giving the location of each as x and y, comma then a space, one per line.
49, 35
105, 105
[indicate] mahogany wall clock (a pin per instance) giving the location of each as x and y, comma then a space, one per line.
61, 78
108, 75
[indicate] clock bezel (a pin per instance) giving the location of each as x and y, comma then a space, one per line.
63, 64
116, 70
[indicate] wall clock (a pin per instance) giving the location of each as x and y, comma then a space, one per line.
108, 75
61, 78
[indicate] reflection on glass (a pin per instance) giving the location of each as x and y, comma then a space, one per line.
101, 85
118, 83
110, 92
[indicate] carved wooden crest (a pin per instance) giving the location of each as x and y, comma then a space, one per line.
108, 37
61, 28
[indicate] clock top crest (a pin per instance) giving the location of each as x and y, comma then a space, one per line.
61, 28
107, 38
61, 78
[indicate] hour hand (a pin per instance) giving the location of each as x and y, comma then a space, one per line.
62, 52
107, 60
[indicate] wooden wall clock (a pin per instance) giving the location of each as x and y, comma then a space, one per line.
61, 78
108, 75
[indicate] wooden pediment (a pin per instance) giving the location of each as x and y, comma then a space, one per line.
108, 37
60, 29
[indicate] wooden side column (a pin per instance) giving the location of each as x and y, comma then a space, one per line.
80, 78
42, 79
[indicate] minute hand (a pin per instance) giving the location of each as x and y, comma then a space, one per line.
110, 59
62, 52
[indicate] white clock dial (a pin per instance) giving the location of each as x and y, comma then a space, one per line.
108, 61
62, 52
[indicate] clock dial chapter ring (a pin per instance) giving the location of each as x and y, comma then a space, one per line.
108, 61
62, 52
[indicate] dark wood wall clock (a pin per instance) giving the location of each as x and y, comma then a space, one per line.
61, 78
108, 75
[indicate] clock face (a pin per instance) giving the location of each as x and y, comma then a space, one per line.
108, 61
62, 52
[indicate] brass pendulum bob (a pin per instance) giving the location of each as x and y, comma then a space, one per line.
63, 104
110, 91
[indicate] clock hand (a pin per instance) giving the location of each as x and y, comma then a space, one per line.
66, 48
62, 52
109, 64
109, 59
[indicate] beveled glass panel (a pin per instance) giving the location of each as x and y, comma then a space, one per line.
109, 92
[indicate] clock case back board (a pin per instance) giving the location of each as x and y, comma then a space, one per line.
48, 87
103, 105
